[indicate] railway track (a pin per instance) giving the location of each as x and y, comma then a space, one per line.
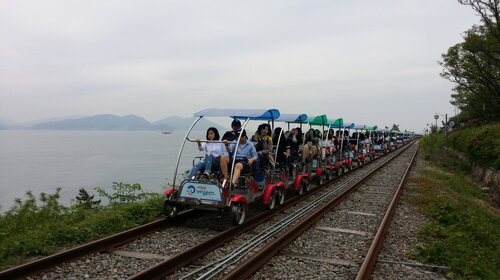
257, 255
164, 249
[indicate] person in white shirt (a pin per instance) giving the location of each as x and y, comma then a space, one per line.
326, 145
216, 155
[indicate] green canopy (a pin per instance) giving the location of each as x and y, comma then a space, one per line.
317, 120
371, 127
337, 123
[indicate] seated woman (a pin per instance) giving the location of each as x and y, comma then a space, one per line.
245, 155
326, 145
310, 149
263, 143
295, 140
216, 154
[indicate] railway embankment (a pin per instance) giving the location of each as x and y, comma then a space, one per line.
479, 148
455, 227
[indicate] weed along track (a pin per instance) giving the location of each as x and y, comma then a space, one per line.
205, 245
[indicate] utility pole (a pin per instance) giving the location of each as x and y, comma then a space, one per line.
446, 131
436, 117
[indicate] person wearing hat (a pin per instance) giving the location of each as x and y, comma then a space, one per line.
232, 135
245, 156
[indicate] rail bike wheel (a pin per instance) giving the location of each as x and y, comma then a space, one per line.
304, 187
280, 196
272, 202
321, 179
343, 170
170, 210
328, 175
305, 184
238, 213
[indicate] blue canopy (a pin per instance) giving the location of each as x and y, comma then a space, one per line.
262, 114
359, 126
347, 125
292, 118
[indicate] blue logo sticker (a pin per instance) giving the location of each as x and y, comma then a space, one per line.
191, 189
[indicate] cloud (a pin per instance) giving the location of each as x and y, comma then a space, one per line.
160, 58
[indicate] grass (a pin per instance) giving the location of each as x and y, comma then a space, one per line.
36, 227
465, 230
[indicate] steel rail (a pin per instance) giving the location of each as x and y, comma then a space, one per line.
99, 245
240, 252
115, 240
237, 254
261, 257
371, 257
187, 257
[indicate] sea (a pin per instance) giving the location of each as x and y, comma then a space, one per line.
43, 160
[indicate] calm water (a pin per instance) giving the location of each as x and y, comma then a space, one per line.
41, 161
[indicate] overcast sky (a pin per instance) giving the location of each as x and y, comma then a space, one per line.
370, 62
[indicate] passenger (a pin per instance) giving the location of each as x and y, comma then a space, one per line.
283, 149
295, 141
336, 140
353, 142
326, 145
245, 155
310, 148
317, 135
263, 143
331, 134
232, 135
216, 155
363, 143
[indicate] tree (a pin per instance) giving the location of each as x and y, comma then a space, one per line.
434, 129
395, 127
474, 65
86, 201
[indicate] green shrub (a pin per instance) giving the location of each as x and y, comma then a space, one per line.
480, 144
36, 227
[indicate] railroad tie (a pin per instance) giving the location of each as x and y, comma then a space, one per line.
318, 258
342, 230
140, 255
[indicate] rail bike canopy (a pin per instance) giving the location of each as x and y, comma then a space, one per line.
317, 120
338, 123
253, 114
371, 127
343, 125
359, 126
292, 118
349, 125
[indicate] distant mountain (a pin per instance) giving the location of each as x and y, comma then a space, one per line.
98, 122
8, 124
49, 120
178, 123
112, 122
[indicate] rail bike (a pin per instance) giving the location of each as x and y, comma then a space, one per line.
361, 150
291, 167
218, 193
236, 182
380, 142
315, 165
